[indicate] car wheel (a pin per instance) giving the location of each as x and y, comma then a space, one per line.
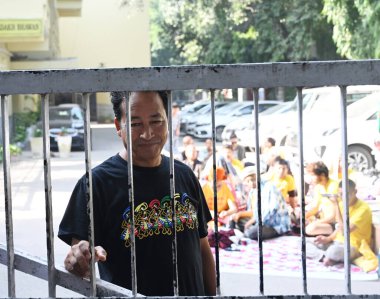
360, 158
218, 133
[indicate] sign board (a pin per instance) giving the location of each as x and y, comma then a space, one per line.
23, 28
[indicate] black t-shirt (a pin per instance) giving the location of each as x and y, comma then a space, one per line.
153, 225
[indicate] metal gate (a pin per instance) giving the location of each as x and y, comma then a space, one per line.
207, 77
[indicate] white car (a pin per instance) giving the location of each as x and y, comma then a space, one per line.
321, 103
362, 131
225, 115
188, 112
191, 119
247, 121
246, 124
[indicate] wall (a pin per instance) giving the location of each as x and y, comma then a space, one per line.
106, 35
4, 57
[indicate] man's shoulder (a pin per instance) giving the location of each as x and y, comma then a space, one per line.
289, 178
180, 166
363, 205
333, 184
111, 166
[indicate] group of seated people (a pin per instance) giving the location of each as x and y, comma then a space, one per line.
238, 200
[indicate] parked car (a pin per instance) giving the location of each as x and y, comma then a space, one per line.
247, 122
188, 111
362, 131
224, 116
321, 103
205, 111
68, 117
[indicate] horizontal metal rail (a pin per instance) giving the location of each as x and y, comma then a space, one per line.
37, 267
294, 74
207, 77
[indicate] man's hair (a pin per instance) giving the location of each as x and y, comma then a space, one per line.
271, 141
118, 96
228, 146
283, 162
351, 184
318, 168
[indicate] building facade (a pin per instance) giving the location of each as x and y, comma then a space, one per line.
61, 34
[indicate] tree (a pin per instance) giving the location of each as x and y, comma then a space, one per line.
356, 27
228, 31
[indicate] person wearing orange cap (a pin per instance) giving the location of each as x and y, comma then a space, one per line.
226, 205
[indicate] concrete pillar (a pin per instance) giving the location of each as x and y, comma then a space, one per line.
261, 94
241, 94
5, 57
205, 95
281, 94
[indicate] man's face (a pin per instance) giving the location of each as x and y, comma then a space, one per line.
249, 182
148, 127
281, 170
191, 152
316, 179
351, 195
234, 142
208, 143
267, 144
228, 154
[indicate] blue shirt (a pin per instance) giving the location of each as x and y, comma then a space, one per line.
274, 209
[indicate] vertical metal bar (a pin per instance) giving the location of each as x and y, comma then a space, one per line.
173, 200
48, 197
217, 260
131, 193
302, 187
258, 189
346, 217
8, 197
89, 195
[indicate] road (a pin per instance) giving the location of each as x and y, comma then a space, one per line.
29, 227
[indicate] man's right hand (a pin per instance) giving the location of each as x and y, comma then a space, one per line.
78, 258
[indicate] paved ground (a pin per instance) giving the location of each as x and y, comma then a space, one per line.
29, 227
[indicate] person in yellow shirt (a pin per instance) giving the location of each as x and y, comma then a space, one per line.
284, 182
320, 215
228, 153
360, 214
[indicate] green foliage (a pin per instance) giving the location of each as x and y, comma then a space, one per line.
22, 121
356, 27
37, 132
14, 149
64, 132
228, 31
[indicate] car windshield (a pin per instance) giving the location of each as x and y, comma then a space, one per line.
59, 114
65, 114
207, 108
76, 114
363, 106
277, 109
193, 107
228, 108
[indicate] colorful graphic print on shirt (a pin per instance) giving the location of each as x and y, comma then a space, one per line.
156, 217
